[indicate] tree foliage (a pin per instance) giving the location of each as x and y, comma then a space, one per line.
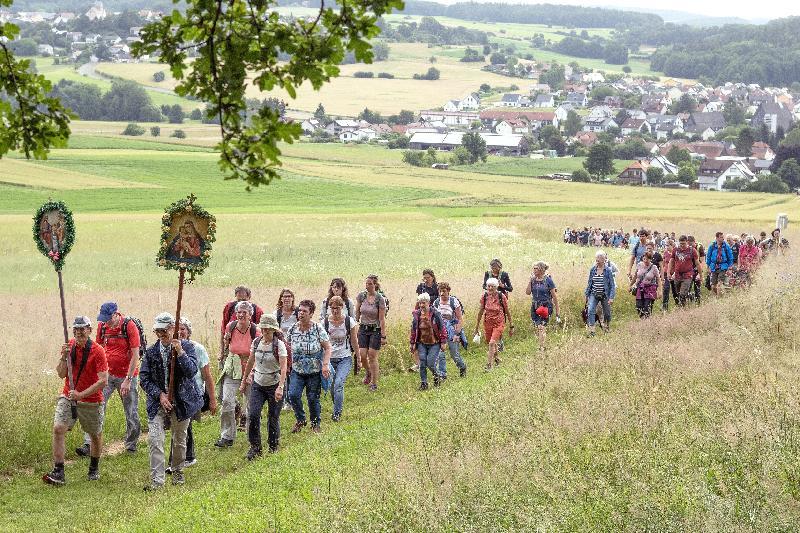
744, 142
655, 175
581, 175
572, 124
600, 161
237, 43
475, 145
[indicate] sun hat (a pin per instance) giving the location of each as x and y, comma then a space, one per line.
543, 311
81, 322
268, 322
163, 321
107, 310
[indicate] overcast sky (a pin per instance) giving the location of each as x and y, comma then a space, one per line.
765, 9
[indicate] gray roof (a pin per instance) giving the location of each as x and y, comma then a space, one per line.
511, 97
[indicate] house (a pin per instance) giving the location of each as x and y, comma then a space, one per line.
714, 173
150, 15
635, 125
451, 105
601, 111
577, 99
660, 161
761, 150
598, 124
134, 31
505, 144
359, 135
707, 149
634, 174
514, 100
535, 119
74, 36
772, 115
310, 125
470, 102
563, 110
336, 127
45, 50
586, 138
706, 125
543, 100
664, 126
96, 12
450, 118
613, 101
512, 127
381, 129
63, 18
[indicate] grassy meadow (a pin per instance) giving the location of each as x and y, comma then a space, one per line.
685, 423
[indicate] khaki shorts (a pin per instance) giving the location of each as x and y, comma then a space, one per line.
89, 415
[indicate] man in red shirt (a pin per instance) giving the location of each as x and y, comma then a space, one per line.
90, 375
119, 337
683, 267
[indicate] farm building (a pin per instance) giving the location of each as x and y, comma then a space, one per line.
503, 144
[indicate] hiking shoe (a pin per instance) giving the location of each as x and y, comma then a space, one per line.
500, 346
131, 450
591, 334
187, 464
298, 427
273, 449
414, 368
336, 417
437, 381
82, 450
373, 388
223, 443
55, 477
152, 487
177, 478
93, 475
423, 386
488, 367
367, 378
497, 360
168, 470
462, 372
252, 453
316, 428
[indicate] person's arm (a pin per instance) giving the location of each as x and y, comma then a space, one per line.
102, 381
186, 360
208, 379
326, 359
382, 320
251, 361
358, 310
225, 343
412, 333
613, 292
556, 306
61, 367
354, 338
631, 263
507, 311
508, 286
145, 378
442, 332
529, 289
480, 315
134, 343
283, 361
485, 279
459, 316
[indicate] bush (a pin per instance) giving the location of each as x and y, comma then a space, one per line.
159, 76
196, 114
581, 175
626, 69
362, 74
432, 74
155, 131
178, 134
413, 157
133, 129
386, 75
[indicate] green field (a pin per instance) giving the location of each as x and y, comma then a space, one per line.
685, 423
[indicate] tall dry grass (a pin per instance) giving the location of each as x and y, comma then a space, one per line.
687, 421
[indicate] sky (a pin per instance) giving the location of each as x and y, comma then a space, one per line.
765, 9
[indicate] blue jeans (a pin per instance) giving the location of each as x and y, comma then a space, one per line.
312, 383
453, 346
593, 301
428, 357
130, 405
341, 368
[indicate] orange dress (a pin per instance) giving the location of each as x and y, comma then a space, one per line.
494, 319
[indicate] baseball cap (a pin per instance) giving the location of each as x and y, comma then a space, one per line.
107, 310
163, 321
81, 322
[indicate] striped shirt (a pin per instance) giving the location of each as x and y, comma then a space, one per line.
598, 284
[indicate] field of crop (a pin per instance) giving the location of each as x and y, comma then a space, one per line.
642, 429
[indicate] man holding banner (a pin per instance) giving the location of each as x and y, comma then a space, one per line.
84, 368
173, 398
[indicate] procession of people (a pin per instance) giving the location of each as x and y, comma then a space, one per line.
269, 358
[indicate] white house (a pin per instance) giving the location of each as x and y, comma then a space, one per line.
45, 49
714, 173
635, 125
562, 110
660, 161
512, 127
543, 100
96, 12
338, 126
512, 100
310, 125
451, 118
470, 102
577, 99
597, 124
451, 105
359, 135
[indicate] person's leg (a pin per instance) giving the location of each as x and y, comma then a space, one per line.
606, 313
313, 392
155, 441
245, 404
296, 396
59, 434
374, 368
178, 437
648, 307
684, 286
342, 368
363, 355
541, 330
258, 395
274, 418
189, 444
591, 318
640, 307
665, 298
422, 350
434, 353
130, 404
112, 385
227, 417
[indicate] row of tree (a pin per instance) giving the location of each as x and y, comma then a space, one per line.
431, 31
613, 53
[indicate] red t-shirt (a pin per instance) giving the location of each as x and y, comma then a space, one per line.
684, 263
95, 364
117, 348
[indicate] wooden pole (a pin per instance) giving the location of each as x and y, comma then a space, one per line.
73, 405
175, 335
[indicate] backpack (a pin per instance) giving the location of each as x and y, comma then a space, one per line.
279, 315
230, 310
276, 338
124, 333
452, 305
502, 301
347, 327
229, 332
363, 296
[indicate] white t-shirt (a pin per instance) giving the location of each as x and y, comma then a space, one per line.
339, 347
267, 367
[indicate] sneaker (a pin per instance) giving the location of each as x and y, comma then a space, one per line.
497, 360
488, 367
298, 427
373, 388
286, 406
177, 478
316, 428
500, 346
168, 470
336, 417
93, 475
152, 487
414, 368
367, 378
462, 372
591, 334
252, 453
130, 450
223, 443
423, 386
55, 477
187, 464
82, 450
437, 381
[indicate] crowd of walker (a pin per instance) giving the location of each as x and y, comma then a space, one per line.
273, 358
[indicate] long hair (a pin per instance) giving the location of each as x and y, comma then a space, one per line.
338, 281
280, 298
429, 272
374, 279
